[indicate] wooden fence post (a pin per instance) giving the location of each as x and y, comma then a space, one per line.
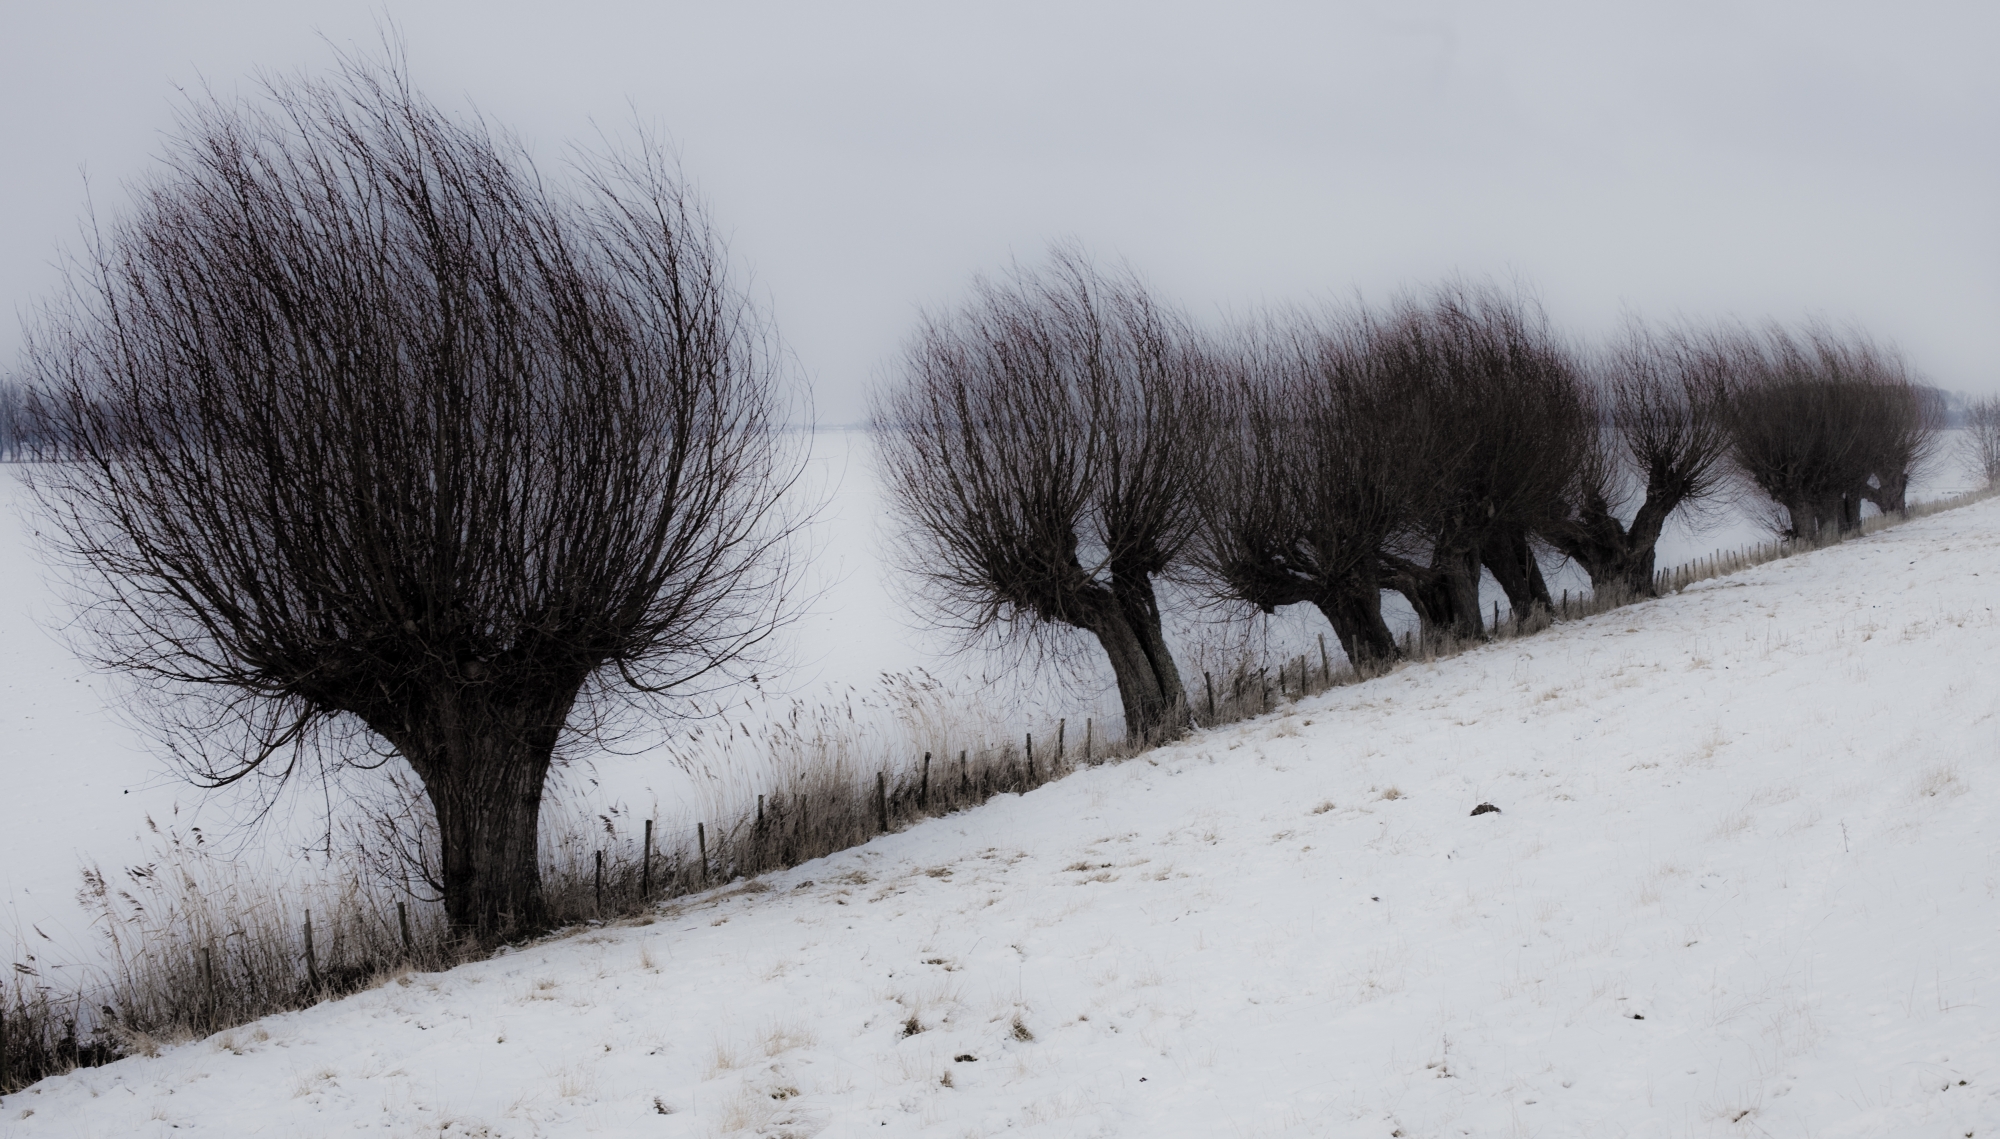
1208, 682
312, 962
1061, 726
600, 883
1086, 740
403, 923
882, 800
1031, 759
1325, 662
924, 788
646, 865
700, 846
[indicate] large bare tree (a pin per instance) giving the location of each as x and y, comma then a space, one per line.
1823, 420
1040, 448
1905, 430
1505, 425
1313, 475
1660, 446
365, 438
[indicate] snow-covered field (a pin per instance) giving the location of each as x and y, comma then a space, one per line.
1745, 880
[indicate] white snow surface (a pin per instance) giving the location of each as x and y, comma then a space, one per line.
1745, 880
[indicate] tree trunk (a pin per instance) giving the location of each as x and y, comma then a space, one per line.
1354, 609
1632, 575
1145, 701
484, 762
488, 831
1891, 495
1445, 594
1850, 509
1618, 558
1460, 571
1514, 566
1805, 522
1823, 517
1142, 613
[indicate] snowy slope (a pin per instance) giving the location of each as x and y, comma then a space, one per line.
1745, 881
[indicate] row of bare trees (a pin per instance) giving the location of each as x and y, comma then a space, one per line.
1982, 438
14, 441
371, 442
1823, 422
1063, 441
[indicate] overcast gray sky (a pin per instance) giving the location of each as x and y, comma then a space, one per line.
1747, 158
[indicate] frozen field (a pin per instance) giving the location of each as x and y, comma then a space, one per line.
1745, 880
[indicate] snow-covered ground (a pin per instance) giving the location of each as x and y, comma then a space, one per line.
1745, 880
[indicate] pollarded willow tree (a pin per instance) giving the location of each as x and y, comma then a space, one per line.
1504, 427
1823, 420
364, 439
1041, 449
1315, 476
1660, 446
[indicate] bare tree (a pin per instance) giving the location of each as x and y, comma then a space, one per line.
1905, 427
1822, 421
1661, 436
1040, 449
1982, 437
1505, 427
1311, 476
370, 441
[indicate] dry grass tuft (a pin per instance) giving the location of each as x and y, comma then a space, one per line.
1940, 782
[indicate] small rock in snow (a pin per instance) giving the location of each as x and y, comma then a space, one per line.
1485, 809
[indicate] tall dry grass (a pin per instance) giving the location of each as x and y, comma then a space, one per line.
195, 941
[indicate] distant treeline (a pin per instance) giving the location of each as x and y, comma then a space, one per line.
13, 421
